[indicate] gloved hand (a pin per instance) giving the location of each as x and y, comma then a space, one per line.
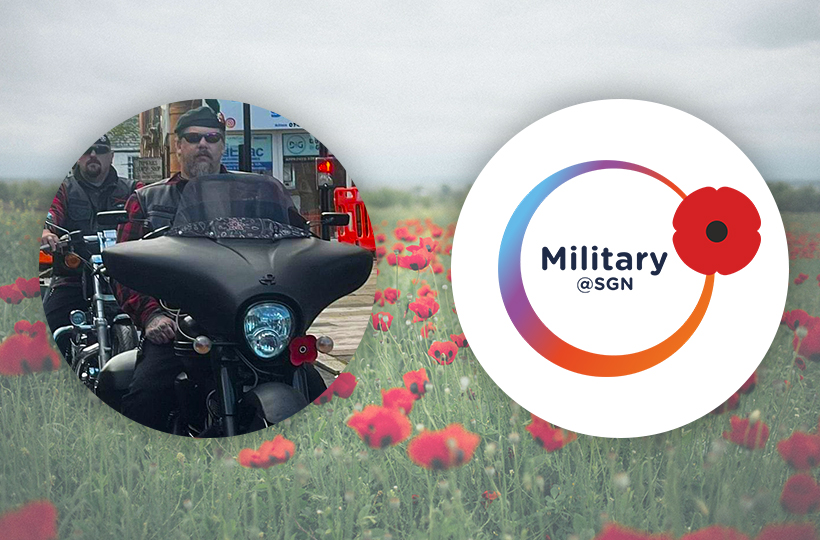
50, 238
160, 329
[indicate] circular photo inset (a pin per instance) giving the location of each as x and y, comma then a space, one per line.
199, 263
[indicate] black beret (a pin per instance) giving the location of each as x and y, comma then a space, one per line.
201, 116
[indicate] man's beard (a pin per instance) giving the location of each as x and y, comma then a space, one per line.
200, 167
92, 171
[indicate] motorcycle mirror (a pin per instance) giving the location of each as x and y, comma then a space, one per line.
52, 226
335, 219
112, 218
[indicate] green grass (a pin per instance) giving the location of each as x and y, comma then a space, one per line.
113, 479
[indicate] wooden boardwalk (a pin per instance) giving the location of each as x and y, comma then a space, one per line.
345, 322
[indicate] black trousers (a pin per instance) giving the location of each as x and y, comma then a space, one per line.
58, 302
62, 300
151, 400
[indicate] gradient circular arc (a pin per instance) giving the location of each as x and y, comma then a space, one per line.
530, 326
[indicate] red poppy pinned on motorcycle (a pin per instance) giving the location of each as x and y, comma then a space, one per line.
302, 350
716, 231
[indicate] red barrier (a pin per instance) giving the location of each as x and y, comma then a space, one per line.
359, 232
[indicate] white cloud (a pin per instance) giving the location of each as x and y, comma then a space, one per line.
410, 93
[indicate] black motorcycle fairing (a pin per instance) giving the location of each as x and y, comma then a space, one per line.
213, 280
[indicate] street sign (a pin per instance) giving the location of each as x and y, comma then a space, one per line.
148, 169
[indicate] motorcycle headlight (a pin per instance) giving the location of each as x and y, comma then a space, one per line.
268, 327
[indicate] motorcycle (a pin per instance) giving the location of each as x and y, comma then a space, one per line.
244, 277
102, 330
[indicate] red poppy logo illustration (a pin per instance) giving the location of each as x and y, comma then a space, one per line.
716, 231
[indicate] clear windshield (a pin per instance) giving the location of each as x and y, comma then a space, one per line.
236, 196
237, 206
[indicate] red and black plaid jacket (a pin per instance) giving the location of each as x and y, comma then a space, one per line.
138, 306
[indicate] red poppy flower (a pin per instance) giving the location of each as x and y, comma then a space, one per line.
715, 532
749, 385
801, 495
381, 251
36, 520
399, 398
303, 349
437, 268
380, 427
37, 328
489, 497
426, 291
10, 294
801, 450
459, 340
427, 329
428, 244
381, 238
436, 231
443, 352
787, 531
416, 261
800, 278
716, 230
797, 317
444, 449
398, 247
424, 308
403, 234
800, 364
547, 436
21, 353
729, 405
392, 259
29, 288
381, 321
342, 387
415, 381
270, 453
391, 295
377, 298
749, 436
809, 346
449, 276
613, 531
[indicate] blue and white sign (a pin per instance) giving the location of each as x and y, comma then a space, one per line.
261, 155
299, 145
260, 118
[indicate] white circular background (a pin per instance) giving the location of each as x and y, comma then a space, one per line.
624, 211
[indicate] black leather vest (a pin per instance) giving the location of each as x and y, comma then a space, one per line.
159, 202
80, 211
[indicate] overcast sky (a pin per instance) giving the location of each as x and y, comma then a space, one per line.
410, 94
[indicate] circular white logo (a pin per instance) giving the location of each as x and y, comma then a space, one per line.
620, 268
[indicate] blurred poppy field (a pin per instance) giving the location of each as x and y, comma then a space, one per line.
414, 441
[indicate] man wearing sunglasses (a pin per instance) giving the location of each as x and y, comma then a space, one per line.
199, 147
92, 186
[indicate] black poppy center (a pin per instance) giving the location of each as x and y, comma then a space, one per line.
717, 231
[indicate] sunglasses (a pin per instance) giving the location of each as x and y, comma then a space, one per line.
194, 138
99, 150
